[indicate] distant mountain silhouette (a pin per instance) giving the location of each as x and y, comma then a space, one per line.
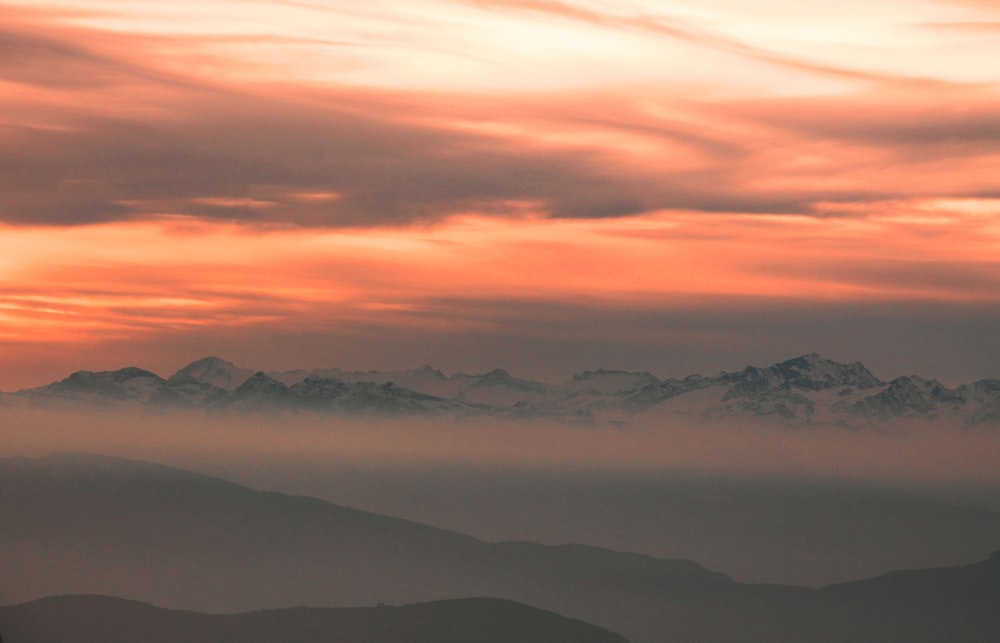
100, 619
765, 529
76, 524
808, 389
934, 585
955, 604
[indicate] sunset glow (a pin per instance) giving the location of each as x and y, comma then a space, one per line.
347, 178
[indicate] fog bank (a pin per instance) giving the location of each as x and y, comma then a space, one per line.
196, 440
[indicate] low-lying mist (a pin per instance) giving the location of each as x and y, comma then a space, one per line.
920, 453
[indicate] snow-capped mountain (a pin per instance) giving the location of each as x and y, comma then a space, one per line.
808, 389
105, 388
908, 396
215, 372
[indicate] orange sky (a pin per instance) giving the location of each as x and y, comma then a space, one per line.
550, 185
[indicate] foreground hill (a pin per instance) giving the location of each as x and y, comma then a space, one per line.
100, 619
94, 525
808, 389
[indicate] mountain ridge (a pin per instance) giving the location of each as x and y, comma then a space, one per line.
805, 390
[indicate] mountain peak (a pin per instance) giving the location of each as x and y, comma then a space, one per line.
500, 377
214, 371
909, 395
205, 363
427, 369
118, 375
591, 374
125, 383
258, 380
259, 392
814, 372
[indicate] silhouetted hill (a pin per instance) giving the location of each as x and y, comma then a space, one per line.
763, 529
84, 524
933, 585
120, 527
96, 525
100, 619
960, 603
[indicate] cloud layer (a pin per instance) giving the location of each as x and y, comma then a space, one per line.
105, 124
516, 170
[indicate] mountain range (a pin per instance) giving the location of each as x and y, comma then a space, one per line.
808, 389
83, 524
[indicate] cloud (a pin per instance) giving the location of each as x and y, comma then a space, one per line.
105, 126
664, 25
394, 158
955, 117
387, 169
989, 5
38, 60
987, 27
544, 294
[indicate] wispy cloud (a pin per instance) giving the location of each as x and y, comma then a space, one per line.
533, 280
661, 24
432, 167
983, 26
104, 126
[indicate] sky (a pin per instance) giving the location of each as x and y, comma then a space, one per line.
535, 185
